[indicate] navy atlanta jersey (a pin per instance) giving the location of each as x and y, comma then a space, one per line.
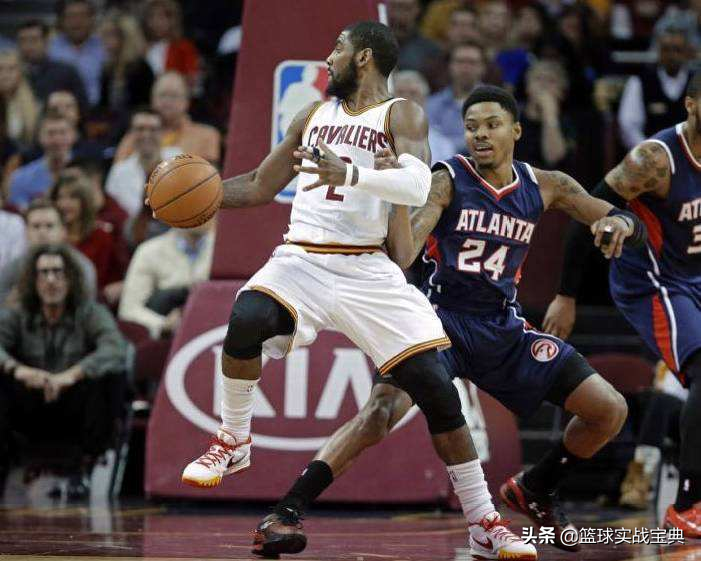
673, 224
475, 253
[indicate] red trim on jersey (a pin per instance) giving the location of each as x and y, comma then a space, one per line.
687, 151
662, 332
652, 223
498, 193
432, 248
519, 271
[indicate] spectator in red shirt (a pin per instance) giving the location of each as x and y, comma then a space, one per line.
167, 48
108, 209
73, 198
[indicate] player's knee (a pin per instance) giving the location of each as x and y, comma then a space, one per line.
374, 420
619, 413
611, 411
424, 378
254, 318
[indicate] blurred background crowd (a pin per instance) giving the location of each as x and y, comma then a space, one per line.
95, 93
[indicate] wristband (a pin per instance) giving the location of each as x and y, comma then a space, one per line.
349, 175
639, 235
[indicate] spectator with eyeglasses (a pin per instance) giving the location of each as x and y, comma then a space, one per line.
57, 352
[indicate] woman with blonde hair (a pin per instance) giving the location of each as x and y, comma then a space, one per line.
73, 198
22, 107
126, 77
167, 48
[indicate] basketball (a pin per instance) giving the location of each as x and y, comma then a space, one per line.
184, 191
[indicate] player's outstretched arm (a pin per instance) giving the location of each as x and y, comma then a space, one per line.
560, 191
259, 187
406, 234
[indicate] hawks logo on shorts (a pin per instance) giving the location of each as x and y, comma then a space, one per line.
296, 84
544, 350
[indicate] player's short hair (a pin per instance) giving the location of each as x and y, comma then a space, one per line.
380, 39
693, 89
495, 94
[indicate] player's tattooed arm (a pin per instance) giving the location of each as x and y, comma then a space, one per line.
645, 169
406, 235
260, 186
425, 218
560, 191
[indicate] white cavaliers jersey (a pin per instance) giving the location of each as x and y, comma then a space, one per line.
343, 215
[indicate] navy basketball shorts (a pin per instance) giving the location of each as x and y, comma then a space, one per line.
665, 312
504, 356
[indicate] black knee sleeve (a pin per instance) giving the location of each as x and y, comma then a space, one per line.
255, 318
425, 379
690, 420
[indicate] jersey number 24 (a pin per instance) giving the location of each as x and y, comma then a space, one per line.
470, 260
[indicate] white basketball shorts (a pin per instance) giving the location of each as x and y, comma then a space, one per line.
366, 297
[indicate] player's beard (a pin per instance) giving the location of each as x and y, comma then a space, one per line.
344, 85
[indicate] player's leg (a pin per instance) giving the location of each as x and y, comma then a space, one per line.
685, 512
255, 318
425, 379
281, 531
668, 322
401, 335
599, 413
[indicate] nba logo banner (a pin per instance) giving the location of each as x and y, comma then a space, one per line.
296, 84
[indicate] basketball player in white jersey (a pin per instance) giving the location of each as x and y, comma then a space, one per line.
332, 272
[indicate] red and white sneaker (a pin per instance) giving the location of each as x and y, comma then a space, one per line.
224, 457
689, 521
492, 539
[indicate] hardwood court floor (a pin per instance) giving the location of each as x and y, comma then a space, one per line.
214, 532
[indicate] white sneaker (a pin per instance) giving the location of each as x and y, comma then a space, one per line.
492, 539
225, 456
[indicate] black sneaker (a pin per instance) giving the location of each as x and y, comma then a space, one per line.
542, 509
279, 533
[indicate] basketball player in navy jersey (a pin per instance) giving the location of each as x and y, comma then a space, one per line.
477, 226
658, 287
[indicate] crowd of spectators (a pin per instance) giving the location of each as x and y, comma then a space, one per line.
94, 97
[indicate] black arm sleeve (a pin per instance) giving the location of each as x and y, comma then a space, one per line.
578, 243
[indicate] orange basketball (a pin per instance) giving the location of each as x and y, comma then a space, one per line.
184, 191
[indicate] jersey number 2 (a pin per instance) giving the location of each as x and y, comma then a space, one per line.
331, 194
470, 260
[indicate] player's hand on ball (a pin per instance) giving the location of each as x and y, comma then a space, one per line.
330, 168
609, 234
385, 159
560, 316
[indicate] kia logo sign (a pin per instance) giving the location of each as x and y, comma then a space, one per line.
349, 372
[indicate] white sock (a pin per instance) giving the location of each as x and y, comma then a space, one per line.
649, 456
237, 406
471, 488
